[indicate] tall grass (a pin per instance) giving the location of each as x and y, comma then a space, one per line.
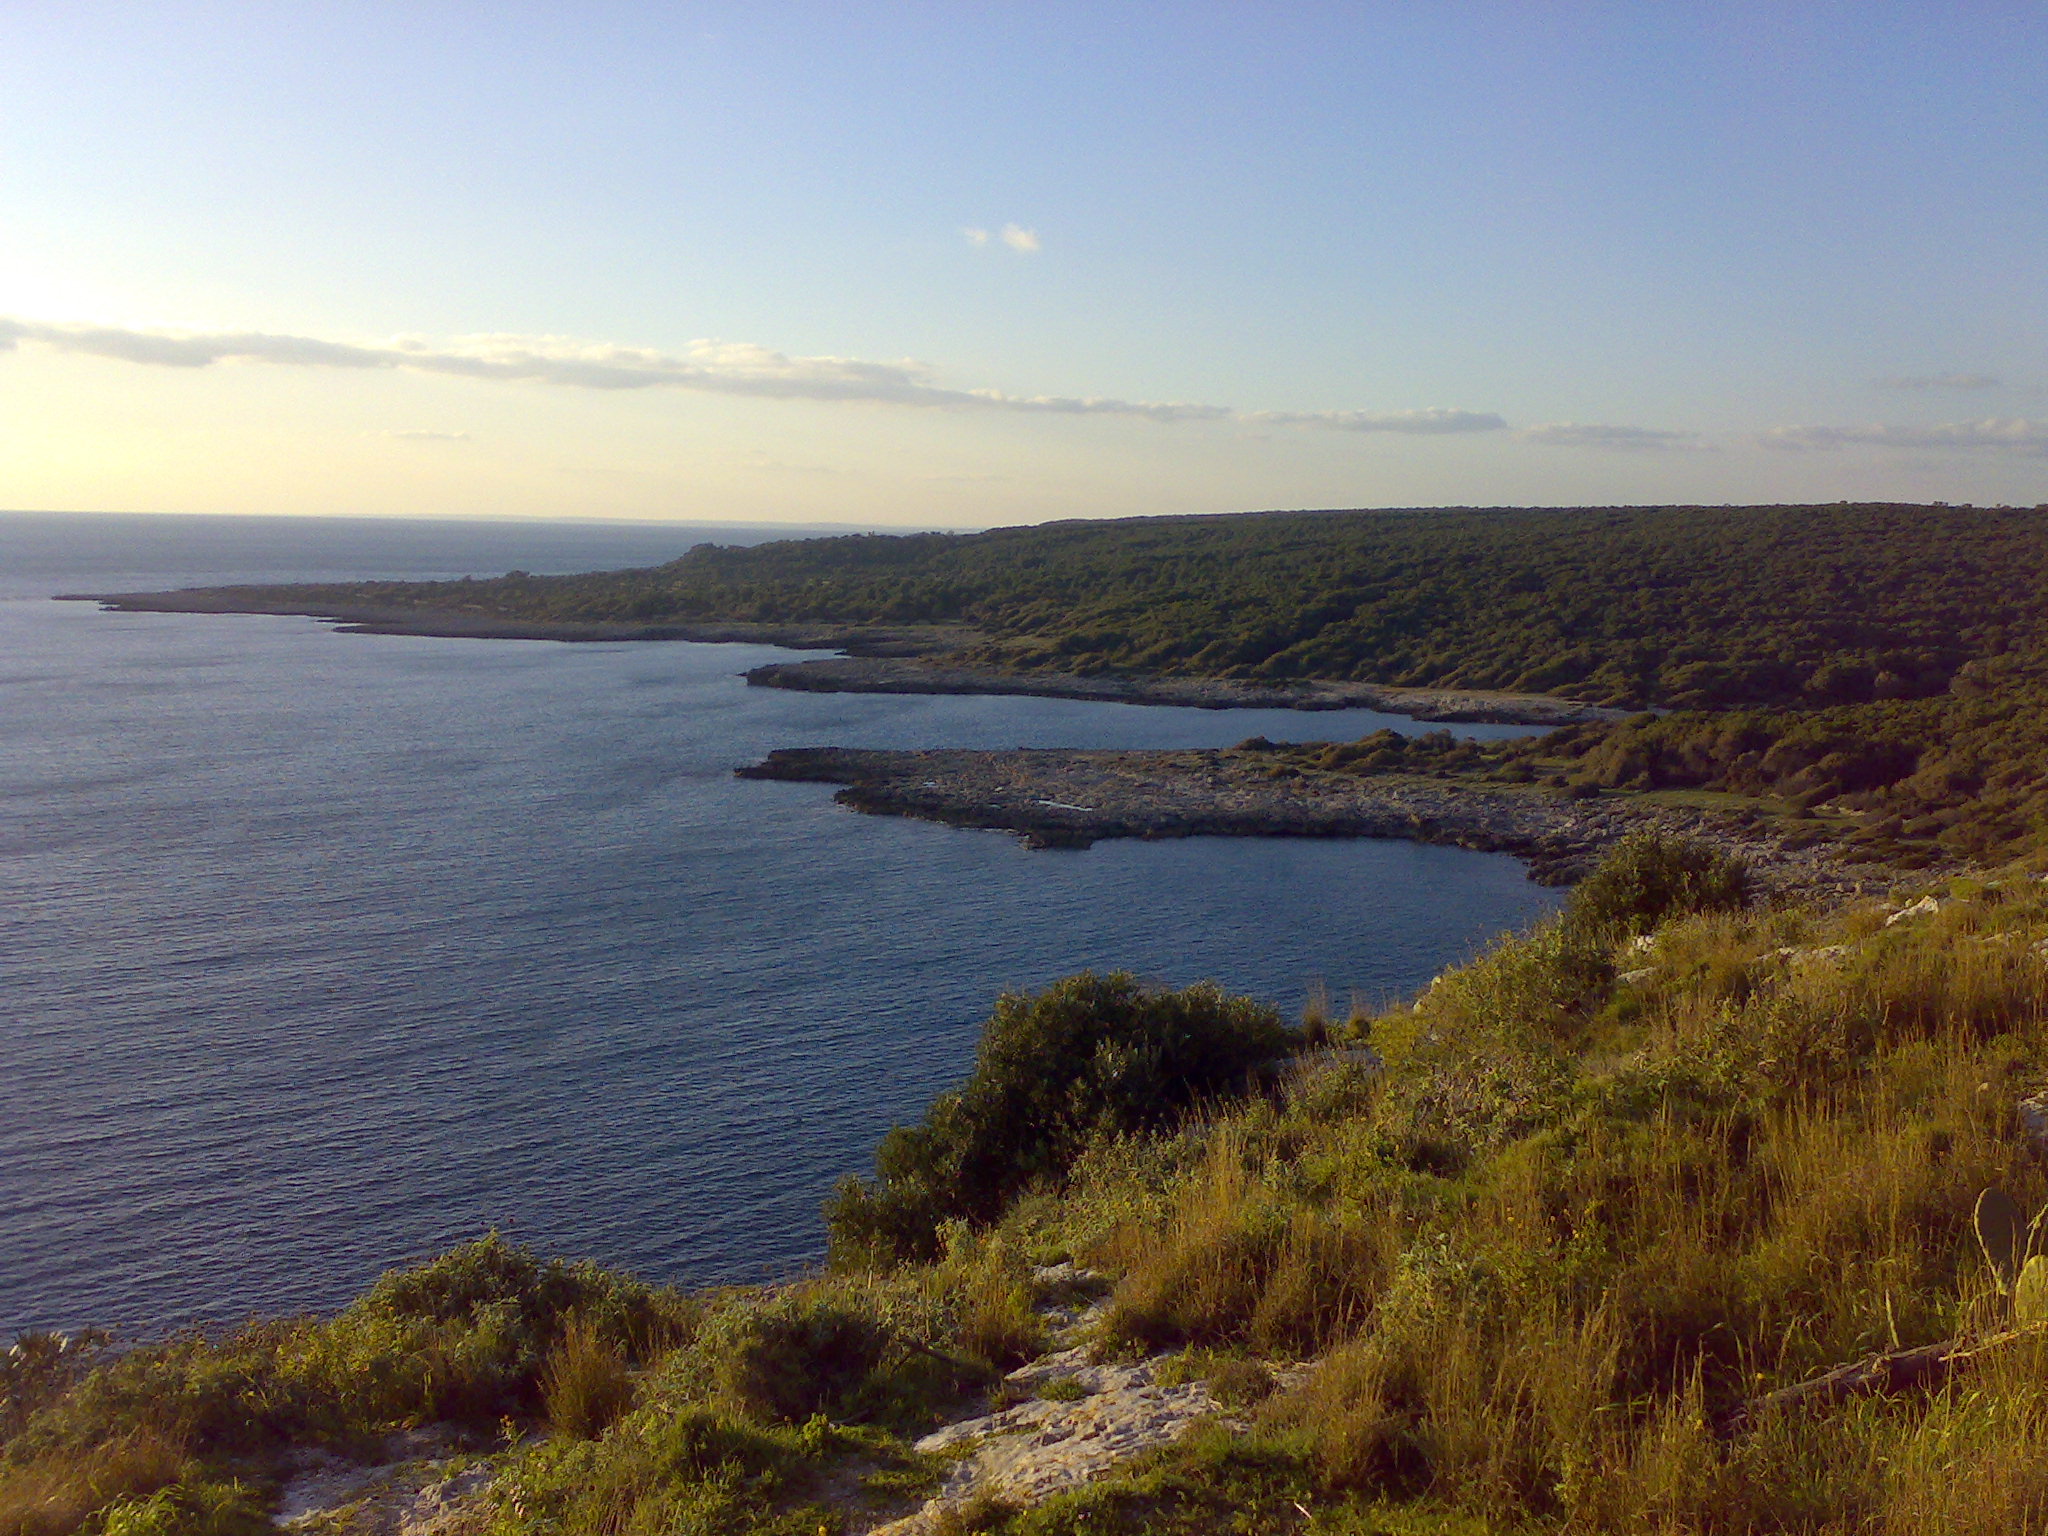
585, 1384
1538, 1256
1574, 1222
52, 1494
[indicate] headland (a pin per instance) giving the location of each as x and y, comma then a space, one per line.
1058, 798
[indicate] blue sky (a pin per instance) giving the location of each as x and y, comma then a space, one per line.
967, 264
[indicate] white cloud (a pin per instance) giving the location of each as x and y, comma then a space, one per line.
2014, 435
1427, 422
1095, 405
1940, 381
423, 435
1024, 242
1582, 434
772, 465
718, 367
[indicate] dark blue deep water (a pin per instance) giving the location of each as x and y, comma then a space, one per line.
321, 952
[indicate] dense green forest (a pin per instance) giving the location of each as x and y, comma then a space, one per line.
1657, 606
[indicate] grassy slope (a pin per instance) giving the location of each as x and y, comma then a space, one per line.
1574, 1219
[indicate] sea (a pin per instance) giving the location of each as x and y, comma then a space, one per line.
321, 953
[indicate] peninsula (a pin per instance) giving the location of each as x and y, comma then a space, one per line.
1880, 668
1055, 798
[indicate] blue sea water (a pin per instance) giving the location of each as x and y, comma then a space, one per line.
321, 952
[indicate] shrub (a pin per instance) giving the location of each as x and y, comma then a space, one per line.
1090, 1057
1649, 877
795, 1356
467, 1335
233, 1394
190, 1509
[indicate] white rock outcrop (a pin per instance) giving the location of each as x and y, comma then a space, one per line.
1098, 1417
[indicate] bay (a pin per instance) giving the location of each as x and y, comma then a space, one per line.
321, 952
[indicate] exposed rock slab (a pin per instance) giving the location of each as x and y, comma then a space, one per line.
1068, 798
416, 1487
1029, 1452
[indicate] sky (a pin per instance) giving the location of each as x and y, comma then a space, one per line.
964, 264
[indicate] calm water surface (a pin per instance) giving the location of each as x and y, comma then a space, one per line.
320, 952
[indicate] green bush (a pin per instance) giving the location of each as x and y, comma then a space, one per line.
794, 1357
228, 1395
1650, 877
468, 1335
694, 1470
820, 1350
189, 1509
1091, 1056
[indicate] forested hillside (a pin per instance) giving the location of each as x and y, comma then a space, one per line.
1662, 606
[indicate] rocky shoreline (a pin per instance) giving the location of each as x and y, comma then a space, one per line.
902, 658
356, 618
902, 673
1061, 798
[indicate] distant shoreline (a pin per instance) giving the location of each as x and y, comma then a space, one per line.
883, 673
1060, 798
453, 624
902, 659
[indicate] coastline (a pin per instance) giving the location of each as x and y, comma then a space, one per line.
912, 673
898, 659
1062, 798
352, 618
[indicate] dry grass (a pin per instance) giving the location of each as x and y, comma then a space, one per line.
1239, 1262
54, 1494
985, 1286
585, 1383
1570, 1227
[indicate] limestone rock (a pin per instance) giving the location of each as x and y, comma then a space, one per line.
1926, 906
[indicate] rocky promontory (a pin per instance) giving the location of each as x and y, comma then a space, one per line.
911, 673
1070, 798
